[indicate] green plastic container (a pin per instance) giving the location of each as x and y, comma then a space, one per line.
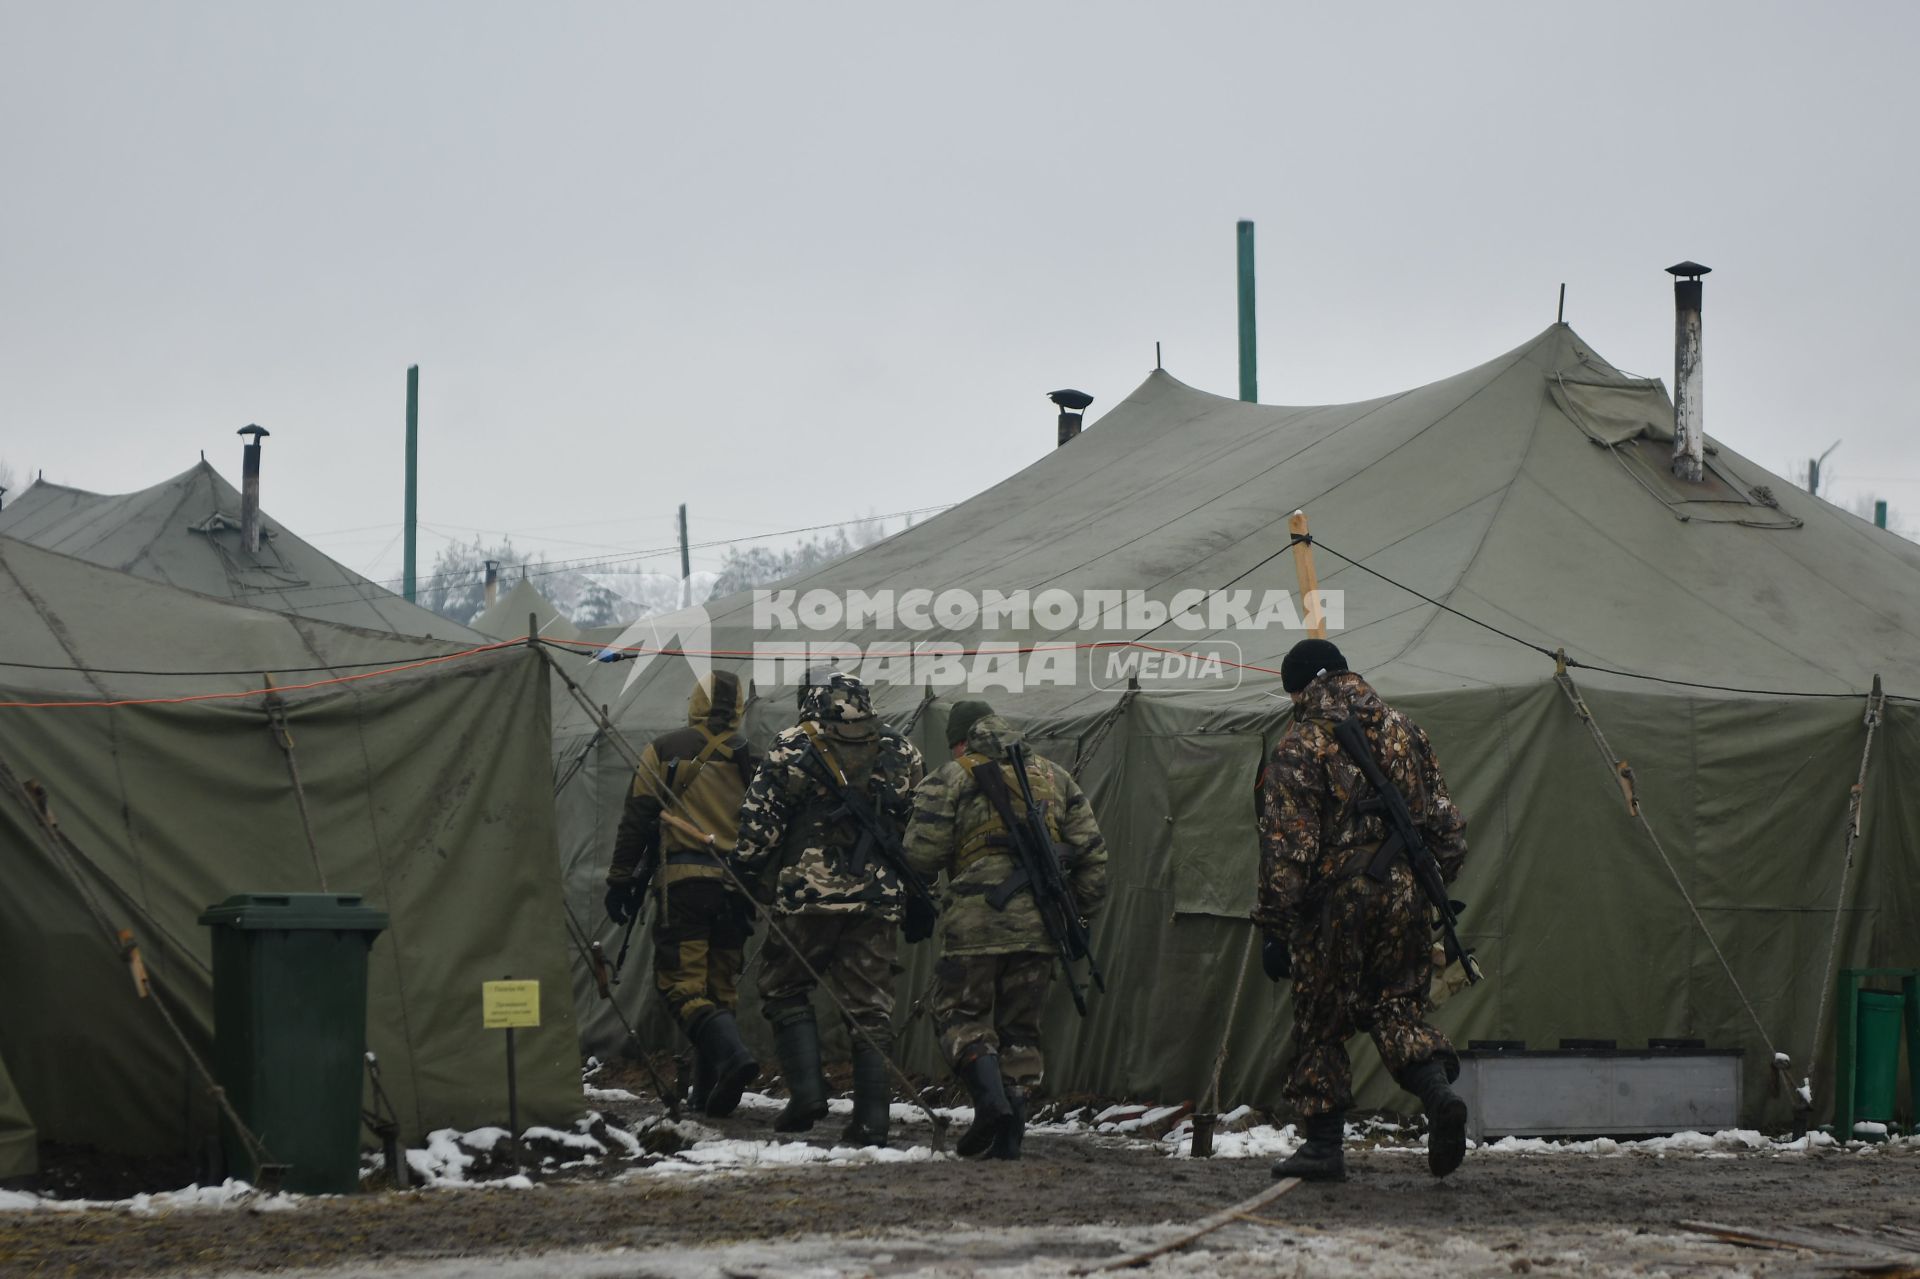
290, 1030
1876, 1073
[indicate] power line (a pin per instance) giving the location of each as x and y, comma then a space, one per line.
586, 563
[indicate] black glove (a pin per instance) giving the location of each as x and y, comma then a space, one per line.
1275, 959
624, 899
920, 919
745, 910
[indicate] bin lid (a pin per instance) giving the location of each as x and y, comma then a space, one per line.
287, 912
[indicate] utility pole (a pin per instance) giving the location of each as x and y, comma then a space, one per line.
1249, 374
411, 531
686, 564
1813, 469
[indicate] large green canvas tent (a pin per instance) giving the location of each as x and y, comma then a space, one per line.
1531, 495
186, 532
137, 707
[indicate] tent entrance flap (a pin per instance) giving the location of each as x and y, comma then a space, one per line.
1210, 803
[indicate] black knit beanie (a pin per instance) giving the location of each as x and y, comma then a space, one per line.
962, 718
1307, 661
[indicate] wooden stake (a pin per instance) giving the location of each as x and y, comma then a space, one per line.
1205, 1226
1316, 617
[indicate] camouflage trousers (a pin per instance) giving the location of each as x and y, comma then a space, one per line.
699, 946
852, 952
993, 1000
1362, 961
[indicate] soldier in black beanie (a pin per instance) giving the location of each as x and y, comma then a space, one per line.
1359, 951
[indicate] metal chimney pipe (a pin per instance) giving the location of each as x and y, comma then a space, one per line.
1689, 438
1073, 407
250, 487
493, 582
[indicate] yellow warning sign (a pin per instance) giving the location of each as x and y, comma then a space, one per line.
509, 1004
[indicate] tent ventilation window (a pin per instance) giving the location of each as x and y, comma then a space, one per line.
1632, 419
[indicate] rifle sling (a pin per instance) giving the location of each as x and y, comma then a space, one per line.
987, 776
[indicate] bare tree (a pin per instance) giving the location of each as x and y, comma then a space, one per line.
760, 566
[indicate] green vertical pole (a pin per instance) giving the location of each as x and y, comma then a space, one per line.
413, 480
1249, 375
1879, 514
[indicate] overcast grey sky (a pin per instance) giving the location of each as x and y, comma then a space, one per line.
792, 263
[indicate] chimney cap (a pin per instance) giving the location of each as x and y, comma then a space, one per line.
256, 431
1690, 269
1071, 400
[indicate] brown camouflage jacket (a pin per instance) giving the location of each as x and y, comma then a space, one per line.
1309, 793
699, 773
956, 832
798, 845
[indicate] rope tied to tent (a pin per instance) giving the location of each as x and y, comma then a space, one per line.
1780, 1064
634, 760
276, 709
1097, 735
1876, 706
266, 1173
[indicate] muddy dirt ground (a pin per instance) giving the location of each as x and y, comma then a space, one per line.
1077, 1199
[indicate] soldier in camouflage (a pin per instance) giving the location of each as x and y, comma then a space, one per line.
1359, 951
995, 966
834, 903
683, 812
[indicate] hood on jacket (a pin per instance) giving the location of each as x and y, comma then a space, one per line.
1335, 696
992, 736
717, 702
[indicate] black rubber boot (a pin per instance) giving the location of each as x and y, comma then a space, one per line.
872, 1097
796, 1041
1006, 1145
702, 1081
732, 1067
1429, 1080
992, 1111
1319, 1157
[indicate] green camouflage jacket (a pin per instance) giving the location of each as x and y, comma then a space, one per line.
956, 832
1309, 792
797, 844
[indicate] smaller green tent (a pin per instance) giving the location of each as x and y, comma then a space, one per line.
132, 713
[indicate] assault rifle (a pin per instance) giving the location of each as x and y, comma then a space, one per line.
1403, 838
1037, 869
876, 838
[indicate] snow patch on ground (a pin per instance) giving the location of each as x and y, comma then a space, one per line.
738, 1153
228, 1194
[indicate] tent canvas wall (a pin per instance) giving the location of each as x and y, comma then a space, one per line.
186, 532
1530, 494
19, 1144
428, 791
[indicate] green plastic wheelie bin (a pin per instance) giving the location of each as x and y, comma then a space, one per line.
290, 1031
